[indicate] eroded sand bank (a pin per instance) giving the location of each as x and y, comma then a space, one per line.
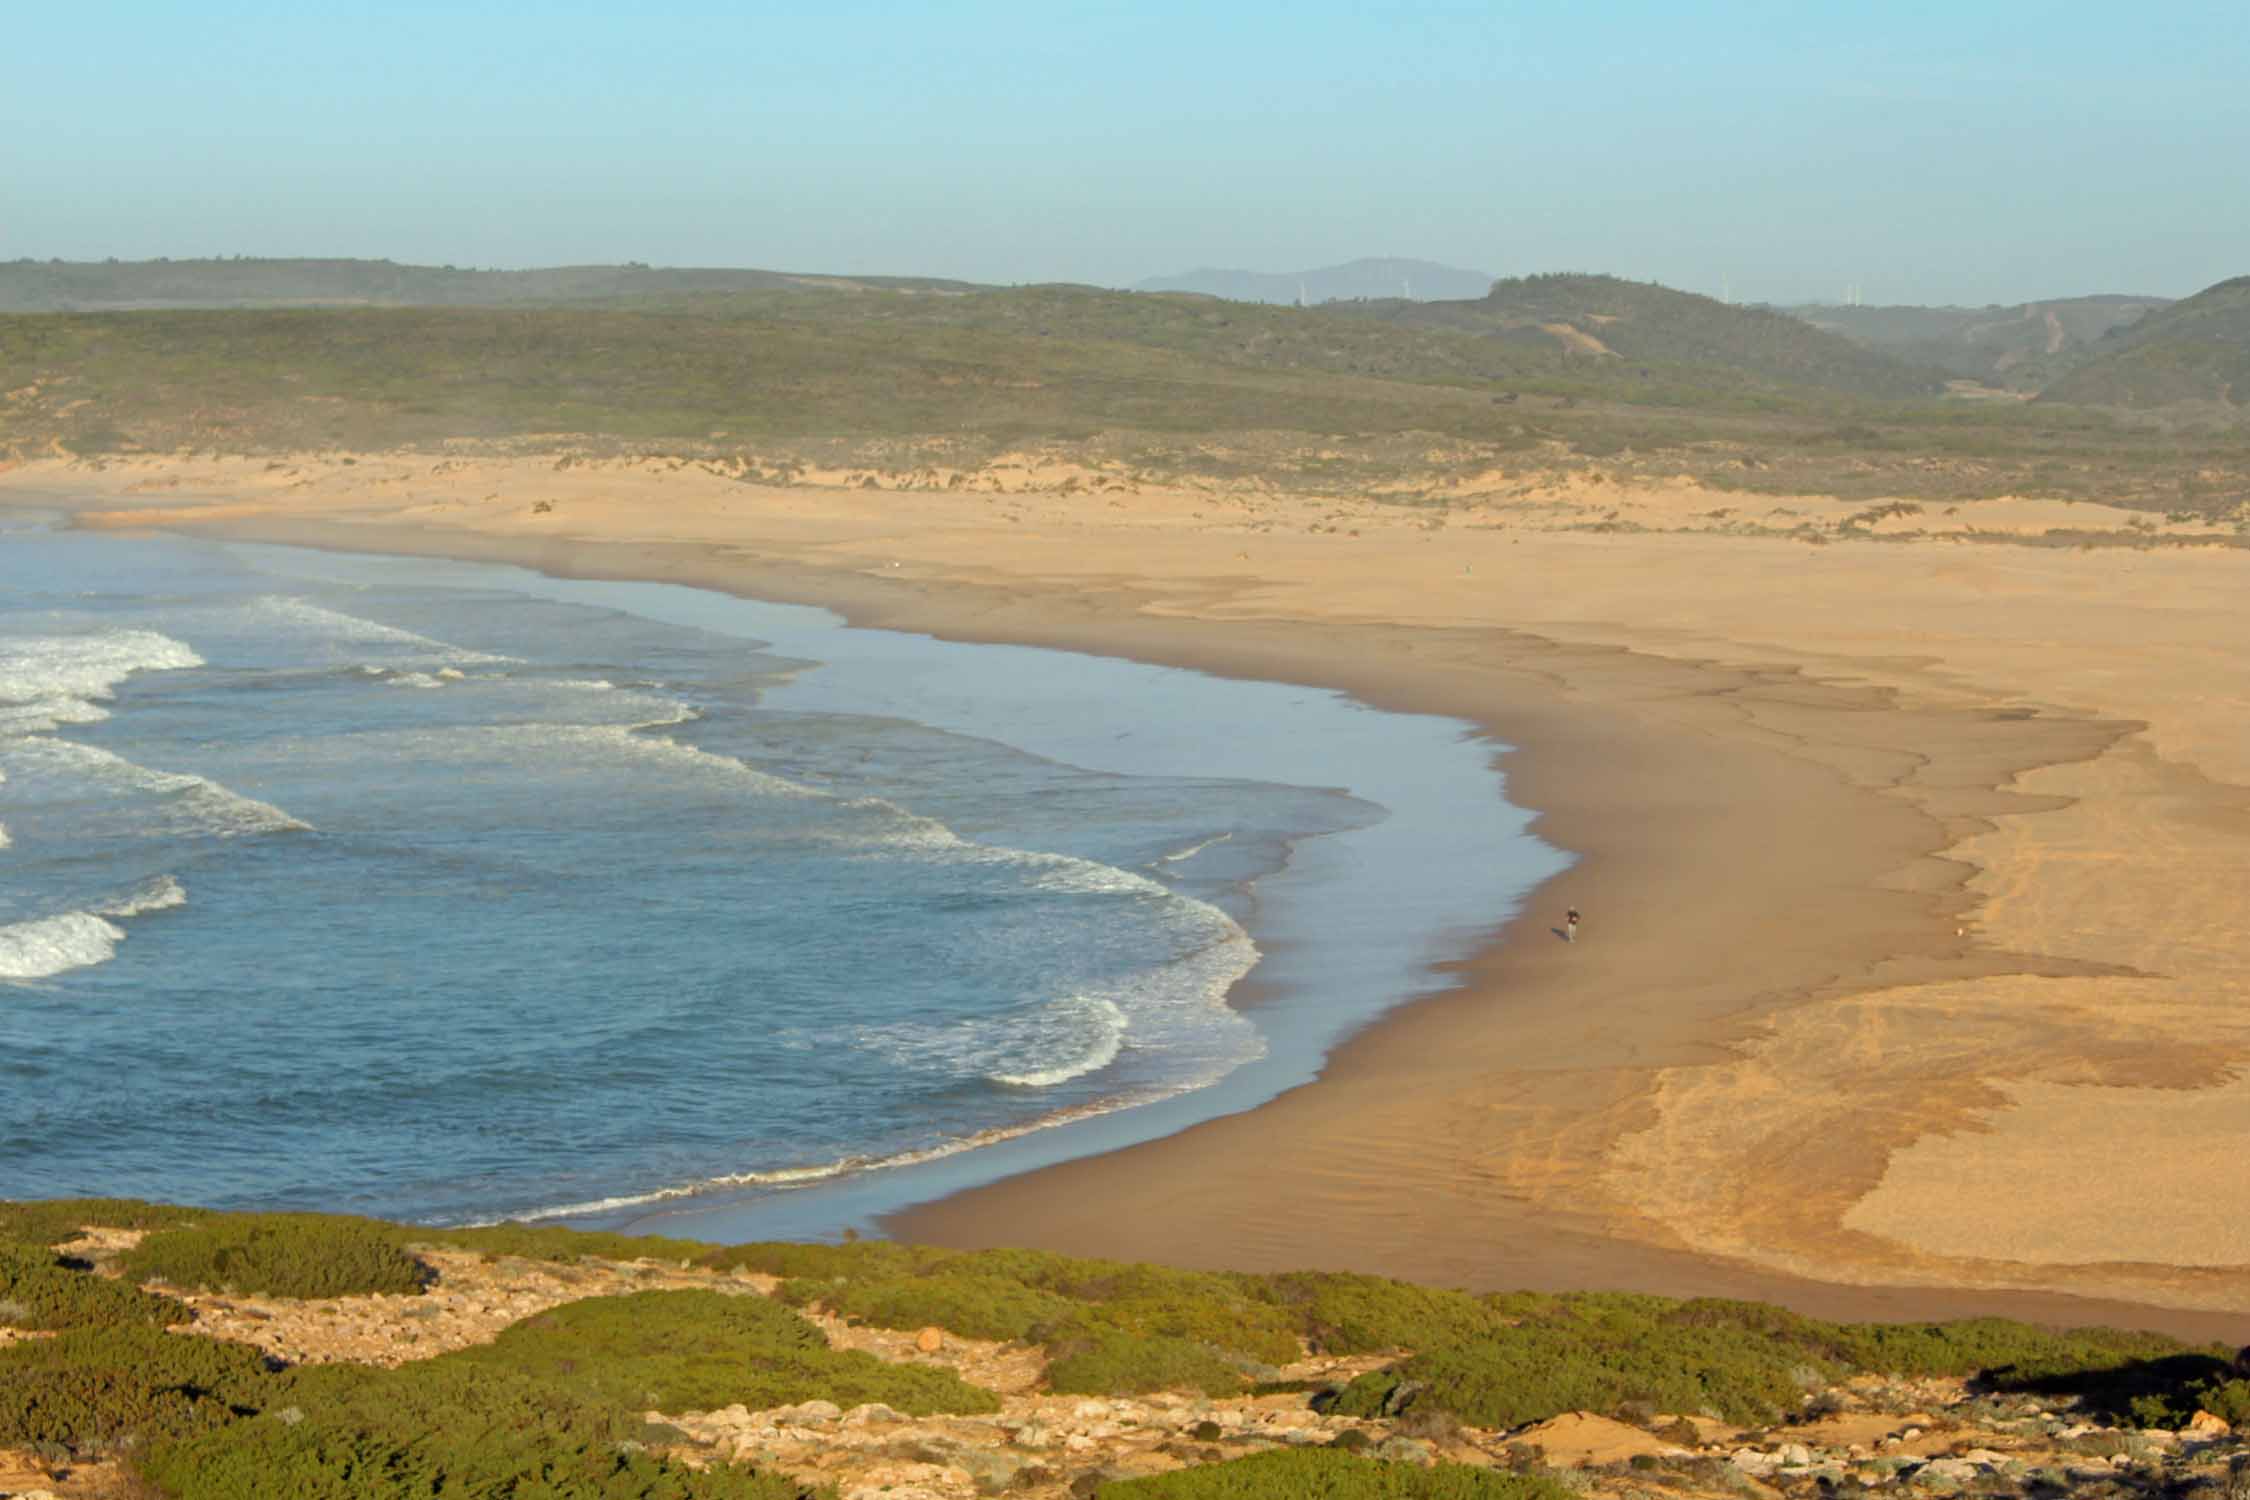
1913, 850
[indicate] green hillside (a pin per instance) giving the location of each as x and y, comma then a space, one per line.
96, 286
2197, 350
1168, 386
2020, 347
1606, 320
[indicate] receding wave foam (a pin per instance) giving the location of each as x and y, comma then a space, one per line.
47, 946
1192, 850
1093, 1034
795, 1177
1197, 985
336, 627
189, 804
49, 681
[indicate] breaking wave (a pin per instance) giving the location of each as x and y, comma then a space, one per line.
47, 946
49, 681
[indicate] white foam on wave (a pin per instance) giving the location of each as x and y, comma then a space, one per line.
1192, 850
191, 804
47, 946
336, 628
161, 894
911, 833
1093, 1030
47, 681
634, 742
796, 1177
414, 680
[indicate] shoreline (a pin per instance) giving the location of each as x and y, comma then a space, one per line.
1475, 1137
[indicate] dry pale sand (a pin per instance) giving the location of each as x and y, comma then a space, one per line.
1916, 973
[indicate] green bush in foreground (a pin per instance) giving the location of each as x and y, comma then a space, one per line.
94, 1389
1995, 1346
698, 1351
1745, 1361
342, 1432
1326, 1474
1224, 1311
38, 1291
279, 1255
1341, 1312
1097, 1361
52, 1221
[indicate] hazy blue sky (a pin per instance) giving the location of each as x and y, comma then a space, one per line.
1961, 151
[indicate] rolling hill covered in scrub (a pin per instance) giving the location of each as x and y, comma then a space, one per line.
2196, 350
1546, 375
1602, 318
2020, 347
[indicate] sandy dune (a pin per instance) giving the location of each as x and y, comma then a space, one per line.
1914, 844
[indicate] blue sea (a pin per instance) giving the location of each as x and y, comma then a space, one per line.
455, 893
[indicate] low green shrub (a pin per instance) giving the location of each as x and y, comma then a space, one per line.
51, 1221
1261, 1331
38, 1291
1996, 1347
553, 1242
279, 1255
1597, 1351
977, 1307
1341, 1312
1331, 1474
91, 1390
701, 1350
1093, 1360
2228, 1400
343, 1432
1225, 1311
1027, 1294
1748, 1361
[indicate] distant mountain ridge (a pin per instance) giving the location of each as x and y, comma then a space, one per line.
1413, 280
2023, 346
115, 286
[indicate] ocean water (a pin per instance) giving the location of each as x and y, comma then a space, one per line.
455, 893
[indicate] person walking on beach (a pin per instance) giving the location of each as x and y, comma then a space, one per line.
1570, 925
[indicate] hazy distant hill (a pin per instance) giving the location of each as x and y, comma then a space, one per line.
99, 286
1416, 280
2195, 350
1603, 318
2022, 346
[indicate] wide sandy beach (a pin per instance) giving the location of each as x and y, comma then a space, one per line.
1915, 977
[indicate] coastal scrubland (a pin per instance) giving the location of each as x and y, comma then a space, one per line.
1558, 375
687, 1370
